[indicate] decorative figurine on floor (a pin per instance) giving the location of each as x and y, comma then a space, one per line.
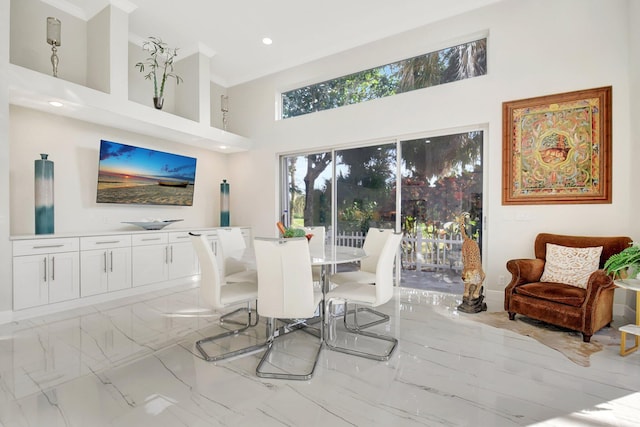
472, 273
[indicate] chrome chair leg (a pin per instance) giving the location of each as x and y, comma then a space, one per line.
224, 317
332, 336
384, 318
280, 333
248, 324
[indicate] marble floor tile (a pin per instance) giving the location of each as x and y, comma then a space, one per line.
134, 363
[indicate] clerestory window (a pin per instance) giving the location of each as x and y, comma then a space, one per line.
435, 68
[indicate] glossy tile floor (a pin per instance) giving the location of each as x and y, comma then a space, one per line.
133, 363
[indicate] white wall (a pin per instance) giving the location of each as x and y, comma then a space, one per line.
634, 113
5, 244
73, 147
29, 46
186, 93
216, 91
535, 47
99, 50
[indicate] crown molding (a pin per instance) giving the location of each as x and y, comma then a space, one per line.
91, 8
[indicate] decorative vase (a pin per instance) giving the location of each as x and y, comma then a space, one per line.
43, 178
158, 102
224, 204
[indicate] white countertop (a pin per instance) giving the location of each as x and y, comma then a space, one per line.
126, 230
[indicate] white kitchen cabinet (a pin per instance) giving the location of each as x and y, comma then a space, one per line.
45, 271
105, 264
212, 237
54, 269
149, 258
160, 257
182, 260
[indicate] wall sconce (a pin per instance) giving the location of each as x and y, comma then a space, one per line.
224, 107
53, 38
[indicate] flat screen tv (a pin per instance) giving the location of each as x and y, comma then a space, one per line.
135, 175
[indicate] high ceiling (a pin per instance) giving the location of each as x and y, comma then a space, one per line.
302, 30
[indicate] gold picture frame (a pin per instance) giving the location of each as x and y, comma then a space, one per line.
557, 148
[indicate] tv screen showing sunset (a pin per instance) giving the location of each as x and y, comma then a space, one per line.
135, 175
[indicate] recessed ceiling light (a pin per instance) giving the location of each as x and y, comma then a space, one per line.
55, 103
223, 147
267, 41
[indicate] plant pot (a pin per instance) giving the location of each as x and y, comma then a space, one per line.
157, 102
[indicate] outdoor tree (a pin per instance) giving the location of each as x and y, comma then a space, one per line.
316, 164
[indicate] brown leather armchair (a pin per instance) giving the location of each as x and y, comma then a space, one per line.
584, 310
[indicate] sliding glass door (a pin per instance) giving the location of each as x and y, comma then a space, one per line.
365, 191
307, 183
441, 181
439, 177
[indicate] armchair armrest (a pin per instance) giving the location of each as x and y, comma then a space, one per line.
524, 271
598, 282
598, 285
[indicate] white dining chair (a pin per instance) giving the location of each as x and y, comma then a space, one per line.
316, 246
221, 297
285, 291
363, 294
231, 245
373, 244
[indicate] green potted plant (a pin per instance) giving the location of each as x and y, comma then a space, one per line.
290, 232
625, 264
293, 232
160, 67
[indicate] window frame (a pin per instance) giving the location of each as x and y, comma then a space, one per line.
280, 96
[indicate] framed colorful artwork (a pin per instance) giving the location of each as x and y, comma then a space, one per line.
557, 148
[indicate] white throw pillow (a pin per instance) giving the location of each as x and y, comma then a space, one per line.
571, 266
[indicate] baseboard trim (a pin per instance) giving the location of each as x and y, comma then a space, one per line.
494, 300
628, 313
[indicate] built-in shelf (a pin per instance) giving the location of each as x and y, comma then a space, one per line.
32, 89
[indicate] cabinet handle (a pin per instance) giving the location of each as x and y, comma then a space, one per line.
53, 268
107, 242
182, 237
171, 254
149, 239
166, 255
47, 246
45, 269
104, 255
111, 266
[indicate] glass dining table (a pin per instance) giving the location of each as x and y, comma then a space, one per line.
333, 255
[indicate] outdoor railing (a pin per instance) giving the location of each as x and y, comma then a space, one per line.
419, 252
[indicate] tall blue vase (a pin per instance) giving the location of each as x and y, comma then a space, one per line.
225, 219
44, 195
